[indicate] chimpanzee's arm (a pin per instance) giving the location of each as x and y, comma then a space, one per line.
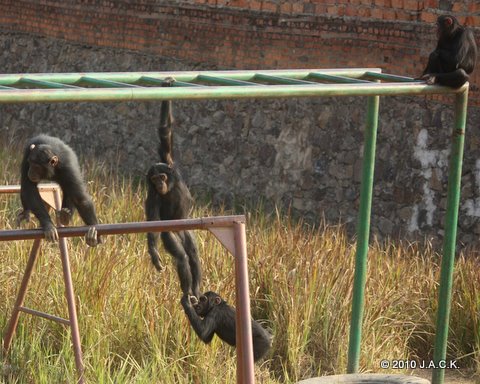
86, 209
152, 210
468, 51
205, 329
32, 201
165, 128
67, 203
190, 247
74, 190
66, 212
165, 134
174, 247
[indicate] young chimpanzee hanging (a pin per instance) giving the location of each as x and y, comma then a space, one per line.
49, 158
212, 315
454, 57
168, 198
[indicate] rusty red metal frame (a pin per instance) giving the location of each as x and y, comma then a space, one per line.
229, 230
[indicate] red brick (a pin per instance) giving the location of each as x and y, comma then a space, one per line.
473, 7
332, 10
350, 11
297, 7
476, 22
377, 13
458, 6
389, 14
269, 6
397, 4
286, 7
411, 5
239, 3
255, 5
366, 12
428, 17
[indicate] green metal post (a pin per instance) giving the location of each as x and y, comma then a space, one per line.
451, 219
363, 233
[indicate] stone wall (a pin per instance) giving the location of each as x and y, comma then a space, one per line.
303, 153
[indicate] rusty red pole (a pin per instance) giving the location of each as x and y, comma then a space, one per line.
70, 296
245, 371
12, 324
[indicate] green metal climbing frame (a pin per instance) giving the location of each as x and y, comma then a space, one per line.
138, 86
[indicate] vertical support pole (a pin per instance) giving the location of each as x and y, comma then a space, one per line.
363, 234
12, 324
451, 220
70, 296
245, 371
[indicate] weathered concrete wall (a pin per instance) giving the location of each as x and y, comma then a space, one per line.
304, 153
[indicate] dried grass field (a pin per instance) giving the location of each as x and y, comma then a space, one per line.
133, 329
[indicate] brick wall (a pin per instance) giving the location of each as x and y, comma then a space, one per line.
396, 35
399, 10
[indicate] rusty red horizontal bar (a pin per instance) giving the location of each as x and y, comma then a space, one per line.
44, 315
133, 227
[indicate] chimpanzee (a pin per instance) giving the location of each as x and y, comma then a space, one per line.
211, 314
454, 57
49, 158
168, 198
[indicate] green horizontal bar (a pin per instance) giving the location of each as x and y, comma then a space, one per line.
106, 83
44, 84
387, 77
280, 80
336, 79
185, 84
187, 76
222, 92
224, 81
153, 81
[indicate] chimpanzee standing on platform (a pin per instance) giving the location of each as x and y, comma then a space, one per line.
49, 158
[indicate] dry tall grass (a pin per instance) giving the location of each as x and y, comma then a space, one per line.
134, 331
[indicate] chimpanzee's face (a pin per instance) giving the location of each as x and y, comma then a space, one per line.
206, 302
203, 306
445, 26
42, 162
161, 176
